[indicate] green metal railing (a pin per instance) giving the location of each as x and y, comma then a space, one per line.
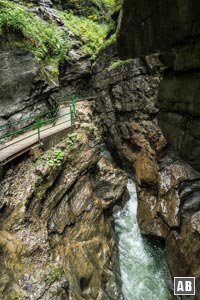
37, 121
68, 98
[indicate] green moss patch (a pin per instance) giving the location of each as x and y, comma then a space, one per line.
48, 42
91, 34
118, 63
44, 39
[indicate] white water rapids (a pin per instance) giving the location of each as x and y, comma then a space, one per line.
143, 268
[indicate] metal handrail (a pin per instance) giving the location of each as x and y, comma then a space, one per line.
38, 123
64, 99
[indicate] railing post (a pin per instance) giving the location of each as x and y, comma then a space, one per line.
71, 114
38, 124
74, 103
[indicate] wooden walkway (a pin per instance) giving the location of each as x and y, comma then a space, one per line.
25, 141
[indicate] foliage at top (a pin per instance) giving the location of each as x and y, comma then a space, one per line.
111, 3
48, 42
89, 32
96, 10
44, 39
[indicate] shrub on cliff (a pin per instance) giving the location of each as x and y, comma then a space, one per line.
96, 10
91, 34
44, 39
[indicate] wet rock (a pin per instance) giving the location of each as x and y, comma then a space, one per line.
23, 94
56, 236
126, 104
75, 76
167, 186
148, 29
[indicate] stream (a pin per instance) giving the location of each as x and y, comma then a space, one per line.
143, 267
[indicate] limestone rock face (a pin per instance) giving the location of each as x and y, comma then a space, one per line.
171, 26
178, 100
75, 77
125, 106
167, 186
146, 27
56, 237
23, 93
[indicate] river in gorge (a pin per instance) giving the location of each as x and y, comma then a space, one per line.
143, 266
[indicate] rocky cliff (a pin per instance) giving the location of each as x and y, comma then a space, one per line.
174, 27
171, 29
126, 105
23, 94
57, 239
46, 47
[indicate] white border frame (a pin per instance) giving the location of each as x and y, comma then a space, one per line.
185, 294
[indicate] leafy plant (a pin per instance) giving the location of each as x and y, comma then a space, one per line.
44, 39
112, 3
71, 138
91, 34
50, 163
53, 159
70, 143
72, 135
58, 157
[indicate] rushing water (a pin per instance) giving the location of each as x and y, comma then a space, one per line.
143, 268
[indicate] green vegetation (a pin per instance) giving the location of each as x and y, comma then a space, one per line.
110, 40
111, 3
52, 158
72, 135
96, 10
71, 138
118, 63
54, 274
91, 34
44, 39
48, 42
57, 158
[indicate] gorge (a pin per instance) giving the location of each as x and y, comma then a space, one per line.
68, 227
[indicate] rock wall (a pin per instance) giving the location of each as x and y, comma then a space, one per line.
75, 76
23, 90
156, 25
171, 26
178, 101
57, 239
26, 82
125, 105
167, 187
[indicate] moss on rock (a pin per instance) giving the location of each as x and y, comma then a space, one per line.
44, 39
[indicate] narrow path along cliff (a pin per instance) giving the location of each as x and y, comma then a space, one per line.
28, 139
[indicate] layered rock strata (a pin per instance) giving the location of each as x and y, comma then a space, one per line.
23, 91
56, 239
171, 26
167, 187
